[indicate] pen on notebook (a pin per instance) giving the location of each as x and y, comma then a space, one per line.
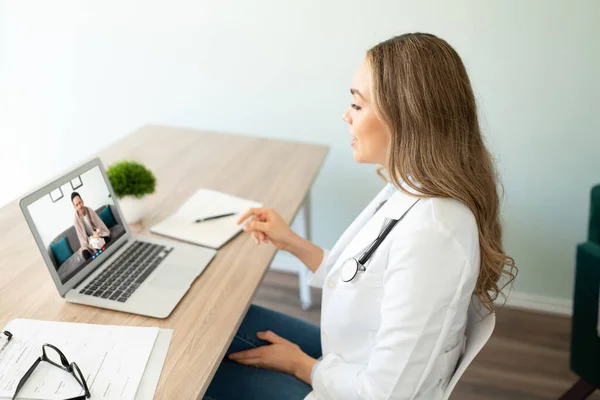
215, 217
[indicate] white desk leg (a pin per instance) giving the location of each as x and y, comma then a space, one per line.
305, 295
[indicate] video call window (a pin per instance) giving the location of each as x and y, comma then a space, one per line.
77, 222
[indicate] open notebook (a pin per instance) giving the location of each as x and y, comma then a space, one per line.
205, 203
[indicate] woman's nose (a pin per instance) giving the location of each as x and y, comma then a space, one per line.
346, 116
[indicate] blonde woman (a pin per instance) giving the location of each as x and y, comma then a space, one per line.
392, 323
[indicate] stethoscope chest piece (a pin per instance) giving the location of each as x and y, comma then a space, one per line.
349, 269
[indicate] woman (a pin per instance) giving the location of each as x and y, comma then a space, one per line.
92, 233
395, 328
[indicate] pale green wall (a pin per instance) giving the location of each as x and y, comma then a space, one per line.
72, 70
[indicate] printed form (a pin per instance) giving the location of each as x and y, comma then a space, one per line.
112, 359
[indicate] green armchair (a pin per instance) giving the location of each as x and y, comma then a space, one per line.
585, 339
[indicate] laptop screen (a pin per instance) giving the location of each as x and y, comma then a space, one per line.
77, 222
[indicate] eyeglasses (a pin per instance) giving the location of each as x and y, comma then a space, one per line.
8, 338
52, 355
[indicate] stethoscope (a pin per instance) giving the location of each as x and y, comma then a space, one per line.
351, 267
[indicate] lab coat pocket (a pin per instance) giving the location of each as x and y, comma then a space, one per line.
448, 362
357, 304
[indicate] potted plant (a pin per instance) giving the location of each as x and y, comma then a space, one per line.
132, 182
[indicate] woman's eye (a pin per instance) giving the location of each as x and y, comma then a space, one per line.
356, 107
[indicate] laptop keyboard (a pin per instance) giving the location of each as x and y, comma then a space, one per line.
122, 278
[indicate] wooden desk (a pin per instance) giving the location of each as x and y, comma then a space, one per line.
277, 173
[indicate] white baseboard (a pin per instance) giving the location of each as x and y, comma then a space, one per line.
533, 302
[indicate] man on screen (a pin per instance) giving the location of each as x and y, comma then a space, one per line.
91, 231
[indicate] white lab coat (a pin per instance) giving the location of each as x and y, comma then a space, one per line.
397, 330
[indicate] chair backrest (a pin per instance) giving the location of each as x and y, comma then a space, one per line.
478, 331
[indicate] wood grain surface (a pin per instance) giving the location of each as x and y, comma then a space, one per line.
277, 173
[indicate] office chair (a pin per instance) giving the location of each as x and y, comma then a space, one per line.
585, 327
478, 331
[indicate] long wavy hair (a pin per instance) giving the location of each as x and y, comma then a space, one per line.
422, 93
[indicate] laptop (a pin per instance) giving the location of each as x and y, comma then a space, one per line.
92, 255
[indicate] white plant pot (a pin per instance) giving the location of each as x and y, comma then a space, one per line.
133, 208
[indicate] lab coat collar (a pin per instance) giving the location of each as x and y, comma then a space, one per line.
367, 226
365, 229
399, 201
359, 223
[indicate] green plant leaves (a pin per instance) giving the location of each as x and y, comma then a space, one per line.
130, 178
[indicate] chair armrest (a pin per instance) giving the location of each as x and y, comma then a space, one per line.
585, 340
587, 284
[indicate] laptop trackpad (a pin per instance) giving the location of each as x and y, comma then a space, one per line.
173, 278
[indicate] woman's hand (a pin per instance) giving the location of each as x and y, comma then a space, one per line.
281, 355
268, 226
